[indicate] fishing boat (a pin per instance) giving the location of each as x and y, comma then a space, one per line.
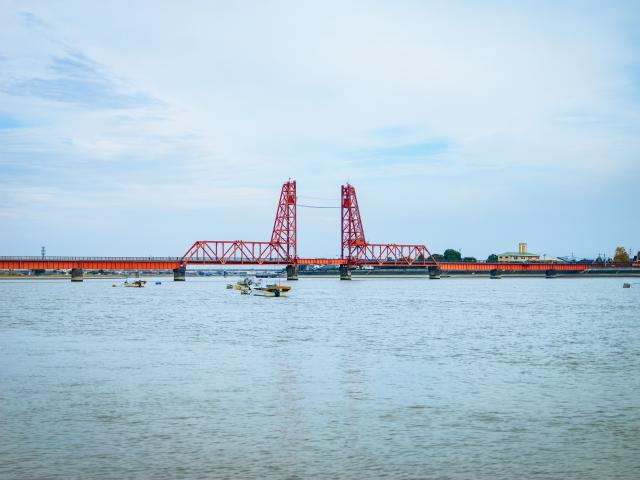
135, 283
272, 290
243, 284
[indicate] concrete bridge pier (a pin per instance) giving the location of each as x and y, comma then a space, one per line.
345, 273
179, 274
292, 272
495, 273
434, 272
76, 275
550, 273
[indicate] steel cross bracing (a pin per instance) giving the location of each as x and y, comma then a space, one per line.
353, 239
280, 250
283, 235
357, 251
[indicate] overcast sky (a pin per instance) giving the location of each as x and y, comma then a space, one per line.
136, 128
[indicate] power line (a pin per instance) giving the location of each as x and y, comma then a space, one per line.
319, 198
313, 206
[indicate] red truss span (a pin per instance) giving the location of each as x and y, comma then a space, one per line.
280, 250
357, 251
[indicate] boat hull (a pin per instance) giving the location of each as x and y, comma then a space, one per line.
271, 292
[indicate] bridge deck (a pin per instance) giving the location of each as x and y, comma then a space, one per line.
169, 263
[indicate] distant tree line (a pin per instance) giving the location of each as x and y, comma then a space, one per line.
452, 255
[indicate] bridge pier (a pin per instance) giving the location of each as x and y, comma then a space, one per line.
550, 273
76, 275
434, 273
345, 273
179, 274
495, 273
292, 272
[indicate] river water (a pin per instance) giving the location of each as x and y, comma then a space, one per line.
374, 378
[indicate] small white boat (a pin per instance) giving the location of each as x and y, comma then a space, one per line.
135, 283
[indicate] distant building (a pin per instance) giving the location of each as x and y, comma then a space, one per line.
520, 256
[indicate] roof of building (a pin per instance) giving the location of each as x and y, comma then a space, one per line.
518, 254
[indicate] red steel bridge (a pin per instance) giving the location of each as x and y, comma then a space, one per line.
281, 249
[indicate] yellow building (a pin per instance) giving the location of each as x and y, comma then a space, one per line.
520, 256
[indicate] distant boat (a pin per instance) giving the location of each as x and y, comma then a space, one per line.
135, 283
244, 286
248, 287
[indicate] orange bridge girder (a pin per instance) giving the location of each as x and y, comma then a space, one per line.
89, 263
170, 263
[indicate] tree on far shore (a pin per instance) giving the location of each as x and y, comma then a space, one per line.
493, 258
451, 255
621, 255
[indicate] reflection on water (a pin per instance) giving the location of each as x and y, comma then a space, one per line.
403, 378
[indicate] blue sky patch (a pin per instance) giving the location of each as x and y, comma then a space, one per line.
422, 149
398, 131
404, 153
8, 122
78, 80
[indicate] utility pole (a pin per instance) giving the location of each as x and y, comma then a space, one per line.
43, 251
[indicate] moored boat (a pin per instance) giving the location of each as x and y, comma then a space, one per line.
243, 284
272, 291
